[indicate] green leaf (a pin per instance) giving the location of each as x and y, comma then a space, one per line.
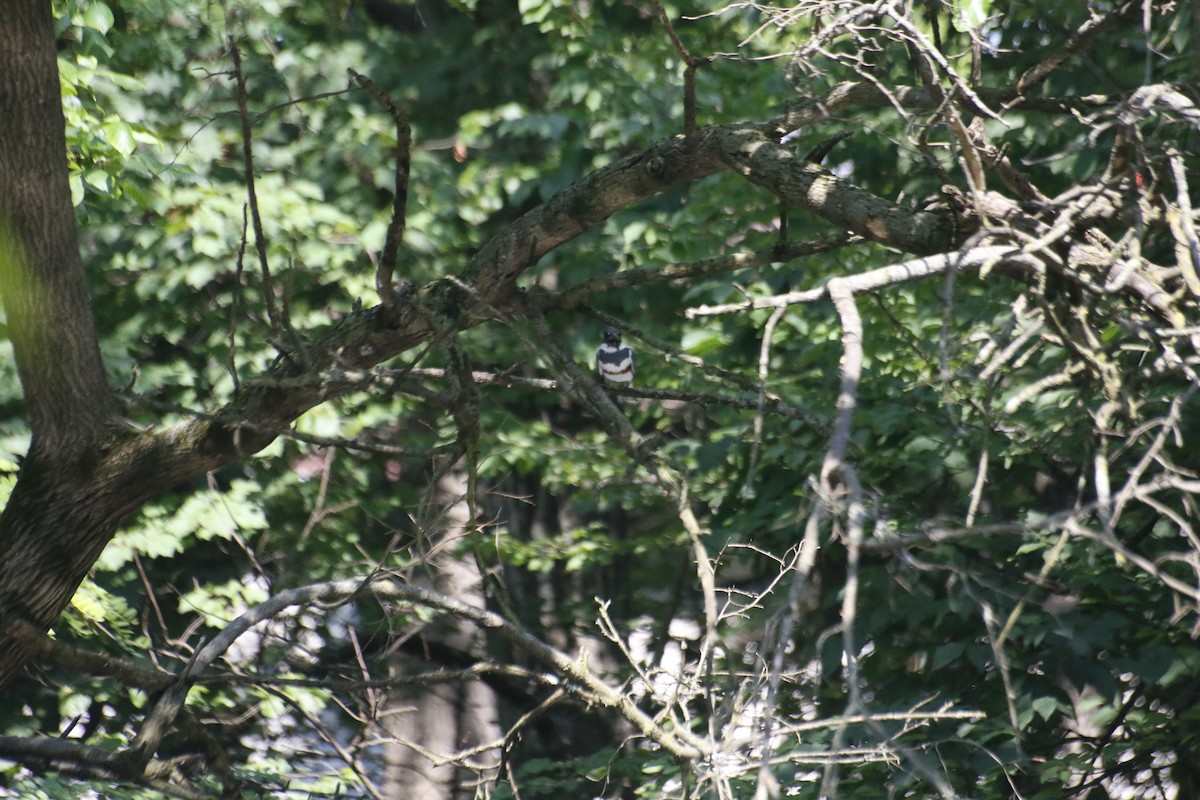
120, 135
77, 191
1045, 707
946, 653
701, 341
97, 16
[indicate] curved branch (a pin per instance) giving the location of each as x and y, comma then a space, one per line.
385, 588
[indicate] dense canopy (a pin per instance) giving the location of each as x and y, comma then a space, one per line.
313, 489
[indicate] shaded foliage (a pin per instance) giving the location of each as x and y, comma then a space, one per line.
1022, 439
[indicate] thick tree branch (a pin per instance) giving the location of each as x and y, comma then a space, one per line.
488, 283
802, 184
97, 762
365, 339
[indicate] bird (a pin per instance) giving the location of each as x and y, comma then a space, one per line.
614, 361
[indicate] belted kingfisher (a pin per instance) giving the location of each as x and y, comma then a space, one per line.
615, 362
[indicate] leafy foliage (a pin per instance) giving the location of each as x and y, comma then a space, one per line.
1017, 625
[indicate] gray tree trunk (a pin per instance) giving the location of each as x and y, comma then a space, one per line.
429, 721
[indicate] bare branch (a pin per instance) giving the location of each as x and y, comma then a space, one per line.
384, 280
891, 275
1095, 25
382, 587
691, 65
764, 361
1182, 224
260, 237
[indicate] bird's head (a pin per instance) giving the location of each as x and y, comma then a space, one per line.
612, 336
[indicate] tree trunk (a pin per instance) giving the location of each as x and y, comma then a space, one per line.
55, 525
50, 318
452, 717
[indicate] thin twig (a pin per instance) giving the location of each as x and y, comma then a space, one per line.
764, 360
235, 304
260, 238
691, 64
1038, 73
350, 759
384, 275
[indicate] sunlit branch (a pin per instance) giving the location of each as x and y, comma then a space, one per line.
892, 275
1182, 223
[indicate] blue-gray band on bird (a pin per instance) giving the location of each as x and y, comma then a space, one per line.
615, 362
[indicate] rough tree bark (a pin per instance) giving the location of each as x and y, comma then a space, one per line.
55, 523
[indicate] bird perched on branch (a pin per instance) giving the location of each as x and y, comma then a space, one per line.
614, 361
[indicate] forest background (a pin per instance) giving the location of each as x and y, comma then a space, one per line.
310, 478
